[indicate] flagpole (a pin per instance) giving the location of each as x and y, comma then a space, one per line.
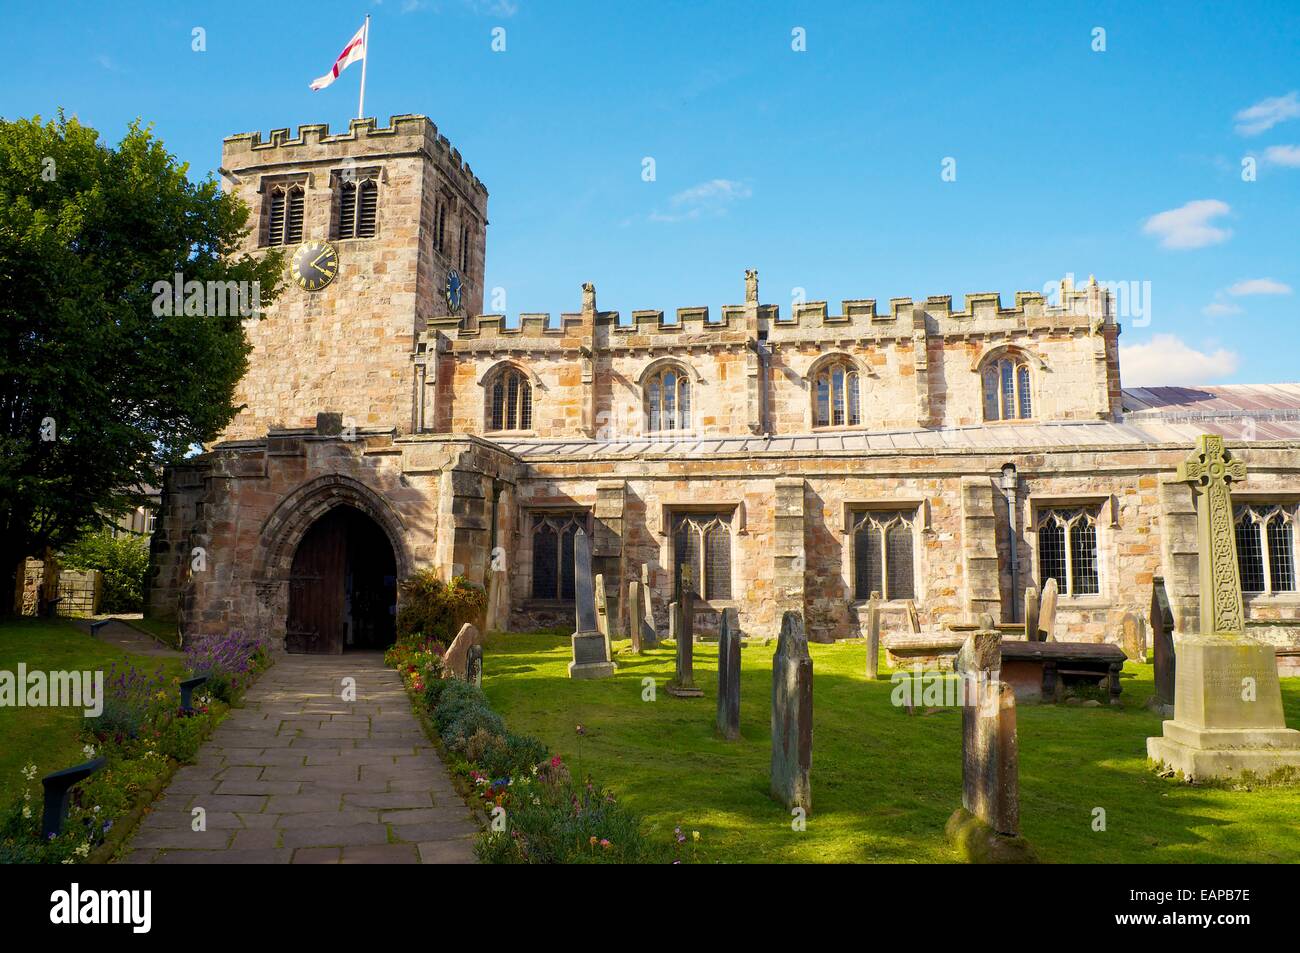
365, 57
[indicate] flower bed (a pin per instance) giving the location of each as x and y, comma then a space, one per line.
536, 812
143, 735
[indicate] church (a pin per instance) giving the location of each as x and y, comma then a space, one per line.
946, 457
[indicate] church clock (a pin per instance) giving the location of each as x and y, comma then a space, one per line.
455, 291
314, 265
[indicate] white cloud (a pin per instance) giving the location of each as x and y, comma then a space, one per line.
1283, 155
1167, 360
1221, 309
708, 198
1189, 226
1259, 286
493, 8
1267, 113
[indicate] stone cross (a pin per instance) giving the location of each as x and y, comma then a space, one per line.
683, 686
990, 770
1047, 612
729, 675
634, 615
602, 607
590, 647
1210, 470
873, 635
792, 701
1031, 614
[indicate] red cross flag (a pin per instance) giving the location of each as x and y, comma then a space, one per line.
355, 50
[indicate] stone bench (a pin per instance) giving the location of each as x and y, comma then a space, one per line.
1034, 669
938, 649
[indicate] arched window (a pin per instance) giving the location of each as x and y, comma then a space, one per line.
553, 569
882, 554
1067, 551
702, 541
835, 395
510, 401
1266, 548
1007, 390
668, 400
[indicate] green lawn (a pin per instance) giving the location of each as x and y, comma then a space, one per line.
883, 782
48, 736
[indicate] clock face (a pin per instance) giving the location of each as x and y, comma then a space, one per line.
454, 290
314, 265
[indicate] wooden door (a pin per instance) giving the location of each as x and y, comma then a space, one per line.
316, 584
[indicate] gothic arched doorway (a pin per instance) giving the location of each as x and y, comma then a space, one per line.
343, 586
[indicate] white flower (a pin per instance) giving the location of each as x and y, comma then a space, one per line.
27, 811
83, 850
29, 772
89, 750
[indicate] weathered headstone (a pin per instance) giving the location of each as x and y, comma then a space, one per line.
987, 827
1031, 614
1162, 638
729, 675
1047, 612
1133, 636
649, 635
792, 700
683, 686
474, 666
634, 615
453, 662
873, 635
1228, 703
590, 647
602, 607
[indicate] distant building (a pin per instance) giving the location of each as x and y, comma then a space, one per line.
944, 458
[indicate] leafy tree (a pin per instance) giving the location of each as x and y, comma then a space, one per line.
124, 561
100, 388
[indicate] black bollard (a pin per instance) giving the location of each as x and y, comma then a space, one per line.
96, 626
187, 689
57, 788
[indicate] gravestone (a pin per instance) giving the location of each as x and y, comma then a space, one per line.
1031, 614
590, 647
1228, 703
602, 606
634, 615
474, 666
649, 635
1162, 638
873, 635
792, 700
1133, 636
1047, 612
987, 827
729, 675
683, 620
453, 662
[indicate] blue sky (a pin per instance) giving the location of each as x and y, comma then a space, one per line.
820, 167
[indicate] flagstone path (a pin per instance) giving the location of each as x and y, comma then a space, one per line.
300, 776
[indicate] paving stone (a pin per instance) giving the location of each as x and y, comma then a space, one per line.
441, 830
255, 840
317, 855
182, 837
309, 819
207, 857
394, 799
259, 787
342, 835
381, 854
447, 852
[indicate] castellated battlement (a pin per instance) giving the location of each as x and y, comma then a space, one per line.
408, 135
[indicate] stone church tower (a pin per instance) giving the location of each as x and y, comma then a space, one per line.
403, 212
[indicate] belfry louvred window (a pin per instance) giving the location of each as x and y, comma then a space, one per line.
358, 209
1266, 547
1067, 550
552, 538
285, 218
835, 395
510, 401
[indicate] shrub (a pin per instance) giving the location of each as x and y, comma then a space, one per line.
229, 661
510, 756
133, 701
432, 609
124, 561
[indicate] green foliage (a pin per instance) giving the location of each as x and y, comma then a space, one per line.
86, 231
124, 561
432, 609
